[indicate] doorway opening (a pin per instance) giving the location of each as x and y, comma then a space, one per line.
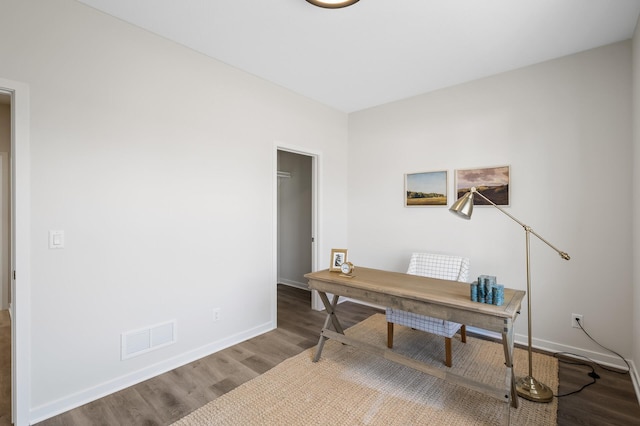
5, 258
296, 217
295, 234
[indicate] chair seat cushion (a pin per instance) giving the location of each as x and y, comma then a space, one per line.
420, 322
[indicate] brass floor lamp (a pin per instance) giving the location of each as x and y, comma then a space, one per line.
527, 387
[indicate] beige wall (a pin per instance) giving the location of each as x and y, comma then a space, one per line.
564, 127
159, 165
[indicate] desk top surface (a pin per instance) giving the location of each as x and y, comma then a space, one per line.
430, 290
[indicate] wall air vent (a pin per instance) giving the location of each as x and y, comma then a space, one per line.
143, 340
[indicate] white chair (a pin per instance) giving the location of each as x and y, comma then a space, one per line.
441, 266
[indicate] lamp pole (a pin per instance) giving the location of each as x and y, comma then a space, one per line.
527, 387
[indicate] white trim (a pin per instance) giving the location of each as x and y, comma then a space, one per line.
635, 379
21, 217
361, 302
316, 170
292, 283
554, 347
274, 238
5, 230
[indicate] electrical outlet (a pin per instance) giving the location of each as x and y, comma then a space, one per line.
216, 314
574, 320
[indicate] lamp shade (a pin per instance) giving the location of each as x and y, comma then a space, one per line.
463, 207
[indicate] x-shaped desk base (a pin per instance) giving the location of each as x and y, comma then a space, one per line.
424, 296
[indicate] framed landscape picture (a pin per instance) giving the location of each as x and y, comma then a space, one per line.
425, 189
492, 182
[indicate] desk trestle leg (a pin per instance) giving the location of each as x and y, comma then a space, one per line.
510, 380
331, 319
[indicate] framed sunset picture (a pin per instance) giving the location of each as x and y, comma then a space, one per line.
492, 182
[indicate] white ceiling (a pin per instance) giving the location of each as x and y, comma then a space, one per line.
378, 51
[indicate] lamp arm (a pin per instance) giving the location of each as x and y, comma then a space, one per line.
527, 228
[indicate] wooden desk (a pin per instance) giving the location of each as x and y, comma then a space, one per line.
444, 299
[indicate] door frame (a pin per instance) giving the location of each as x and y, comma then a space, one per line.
5, 170
20, 252
316, 203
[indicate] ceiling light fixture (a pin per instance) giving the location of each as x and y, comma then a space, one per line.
332, 4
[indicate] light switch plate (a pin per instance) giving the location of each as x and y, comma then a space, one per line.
56, 239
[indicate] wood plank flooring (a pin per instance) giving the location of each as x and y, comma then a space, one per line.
170, 396
610, 401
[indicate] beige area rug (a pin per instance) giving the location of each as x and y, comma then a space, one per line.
351, 387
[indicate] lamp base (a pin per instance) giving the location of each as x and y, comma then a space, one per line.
533, 390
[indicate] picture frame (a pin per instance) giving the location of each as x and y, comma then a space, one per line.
426, 189
492, 182
338, 257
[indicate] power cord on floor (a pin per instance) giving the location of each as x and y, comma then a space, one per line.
594, 376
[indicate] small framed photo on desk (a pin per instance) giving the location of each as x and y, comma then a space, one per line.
338, 257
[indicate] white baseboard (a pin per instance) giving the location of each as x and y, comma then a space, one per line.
45, 411
373, 305
486, 333
602, 358
292, 283
635, 378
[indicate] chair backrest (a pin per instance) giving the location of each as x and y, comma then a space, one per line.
442, 266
